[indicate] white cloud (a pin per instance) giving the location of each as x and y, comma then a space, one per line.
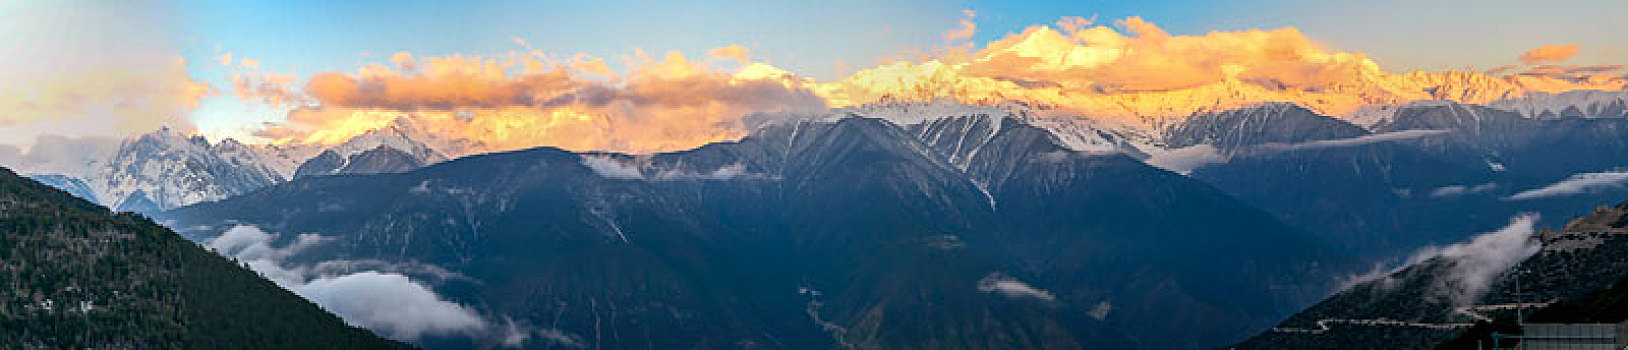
386, 302
1381, 271
1100, 312
1576, 184
727, 172
561, 338
1348, 142
1012, 288
1184, 160
513, 335
1460, 190
1055, 156
1477, 263
422, 188
611, 168
390, 304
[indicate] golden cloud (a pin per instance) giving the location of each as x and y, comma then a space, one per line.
967, 28
1132, 72
1571, 71
525, 101
1139, 73
249, 84
1549, 53
731, 52
268, 88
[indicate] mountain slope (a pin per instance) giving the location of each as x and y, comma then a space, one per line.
1429, 302
72, 185
1543, 150
1378, 200
81, 277
1282, 123
1426, 173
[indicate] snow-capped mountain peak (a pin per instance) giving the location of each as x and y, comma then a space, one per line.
400, 146
171, 169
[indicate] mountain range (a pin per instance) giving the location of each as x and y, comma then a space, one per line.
166, 169
903, 224
963, 231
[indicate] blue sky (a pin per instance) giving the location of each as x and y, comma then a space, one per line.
813, 36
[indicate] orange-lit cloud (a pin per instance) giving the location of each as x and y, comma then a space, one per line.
1137, 73
249, 84
1073, 24
1573, 72
967, 28
1549, 53
268, 88
1132, 73
1098, 70
1501, 69
732, 52
662, 104
404, 61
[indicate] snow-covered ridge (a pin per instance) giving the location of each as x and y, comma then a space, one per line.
1082, 134
406, 136
1582, 103
166, 169
170, 169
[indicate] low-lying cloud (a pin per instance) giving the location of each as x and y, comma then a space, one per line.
1349, 142
386, 302
1576, 184
1460, 190
1013, 288
390, 304
1472, 266
612, 168
1479, 262
1184, 160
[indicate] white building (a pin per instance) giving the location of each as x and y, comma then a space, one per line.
1574, 336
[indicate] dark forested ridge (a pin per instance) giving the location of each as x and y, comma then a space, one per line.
73, 275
